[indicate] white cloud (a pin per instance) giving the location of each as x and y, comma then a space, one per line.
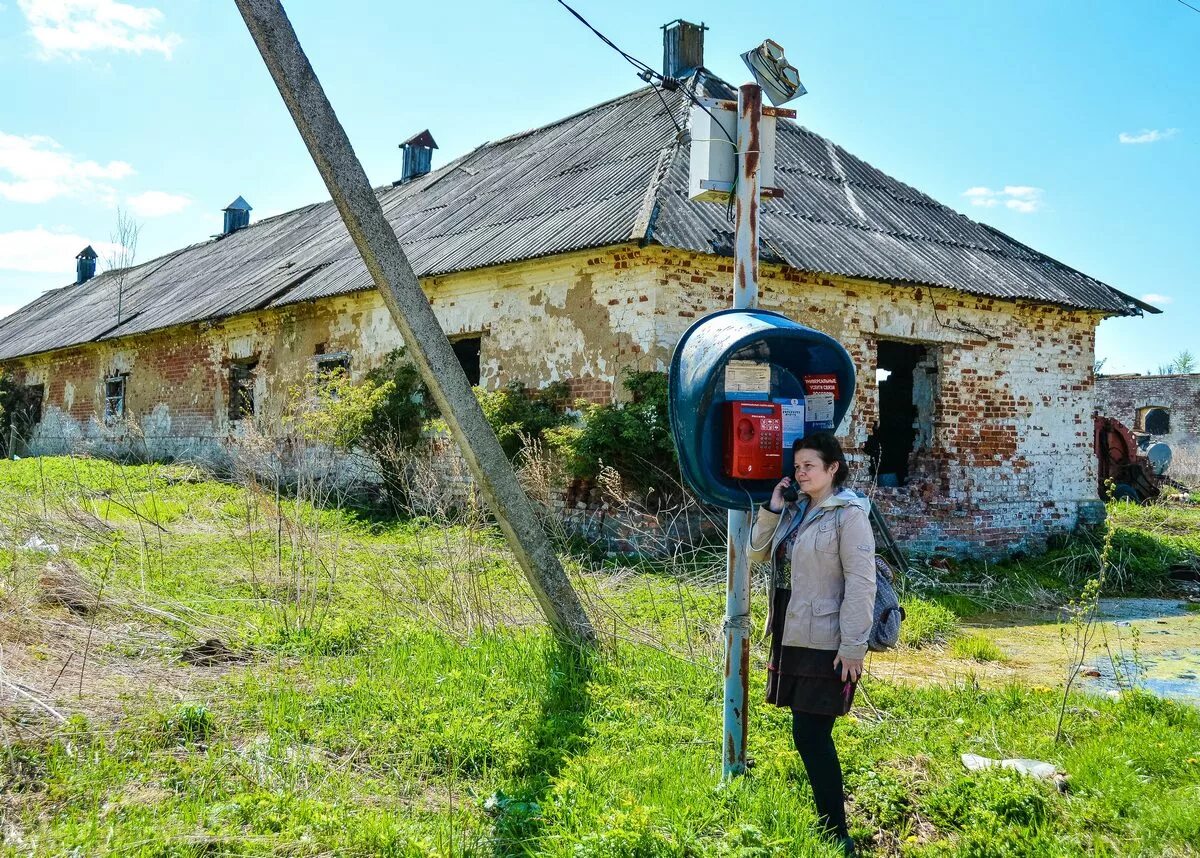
157, 203
44, 252
1147, 135
1021, 198
1155, 298
37, 169
70, 28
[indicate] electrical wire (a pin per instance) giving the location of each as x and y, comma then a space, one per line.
646, 72
649, 75
632, 60
1190, 6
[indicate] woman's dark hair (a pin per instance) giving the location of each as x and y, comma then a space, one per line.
827, 447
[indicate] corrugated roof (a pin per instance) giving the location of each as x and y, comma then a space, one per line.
610, 174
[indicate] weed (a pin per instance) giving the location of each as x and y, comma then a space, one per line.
976, 647
188, 724
926, 622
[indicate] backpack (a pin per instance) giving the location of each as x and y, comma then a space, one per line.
885, 629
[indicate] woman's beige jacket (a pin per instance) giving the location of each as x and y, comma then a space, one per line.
833, 579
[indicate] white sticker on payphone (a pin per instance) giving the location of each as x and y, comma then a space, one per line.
792, 411
820, 410
747, 377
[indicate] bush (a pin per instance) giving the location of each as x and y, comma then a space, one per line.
397, 419
334, 411
632, 437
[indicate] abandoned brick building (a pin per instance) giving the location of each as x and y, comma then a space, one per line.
1166, 407
572, 252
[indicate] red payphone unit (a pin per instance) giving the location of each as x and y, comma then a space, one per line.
753, 440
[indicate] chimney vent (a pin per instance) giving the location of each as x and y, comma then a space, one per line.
683, 48
85, 265
418, 157
237, 216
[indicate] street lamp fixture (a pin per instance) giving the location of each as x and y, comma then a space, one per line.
779, 79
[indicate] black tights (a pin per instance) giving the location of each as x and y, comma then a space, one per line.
813, 735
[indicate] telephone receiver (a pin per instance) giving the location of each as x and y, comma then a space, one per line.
791, 494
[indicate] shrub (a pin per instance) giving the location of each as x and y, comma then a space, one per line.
632, 437
332, 410
397, 419
519, 415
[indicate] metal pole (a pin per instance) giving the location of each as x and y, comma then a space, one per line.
745, 296
376, 241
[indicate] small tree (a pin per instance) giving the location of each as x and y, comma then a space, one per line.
119, 262
1184, 362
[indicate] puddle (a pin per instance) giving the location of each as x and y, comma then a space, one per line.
1154, 643
1169, 673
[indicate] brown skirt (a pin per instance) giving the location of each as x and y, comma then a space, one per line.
801, 678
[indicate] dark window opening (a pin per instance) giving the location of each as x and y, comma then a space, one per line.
27, 411
907, 380
241, 389
466, 350
329, 365
114, 399
25, 416
1155, 420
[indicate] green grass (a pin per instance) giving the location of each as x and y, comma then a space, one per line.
402, 700
926, 622
976, 647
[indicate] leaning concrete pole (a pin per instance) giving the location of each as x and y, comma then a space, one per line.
347, 183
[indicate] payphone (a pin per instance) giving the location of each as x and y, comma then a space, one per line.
744, 384
753, 440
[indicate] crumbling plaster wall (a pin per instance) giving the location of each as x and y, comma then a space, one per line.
581, 318
1123, 396
1010, 459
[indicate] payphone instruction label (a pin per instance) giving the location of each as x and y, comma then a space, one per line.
820, 410
792, 412
747, 377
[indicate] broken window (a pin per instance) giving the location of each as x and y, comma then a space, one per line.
907, 381
241, 389
1154, 420
27, 411
330, 365
466, 349
114, 399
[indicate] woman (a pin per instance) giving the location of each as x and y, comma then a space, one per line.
822, 555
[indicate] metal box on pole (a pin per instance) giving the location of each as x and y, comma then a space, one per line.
713, 167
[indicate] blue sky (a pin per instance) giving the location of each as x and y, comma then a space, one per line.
1072, 126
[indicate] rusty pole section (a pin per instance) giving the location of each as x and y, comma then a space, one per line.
376, 241
745, 297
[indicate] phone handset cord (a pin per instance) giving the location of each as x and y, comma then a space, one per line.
750, 535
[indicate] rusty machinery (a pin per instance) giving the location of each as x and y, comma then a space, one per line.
1131, 467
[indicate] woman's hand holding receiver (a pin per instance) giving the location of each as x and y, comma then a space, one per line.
777, 503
